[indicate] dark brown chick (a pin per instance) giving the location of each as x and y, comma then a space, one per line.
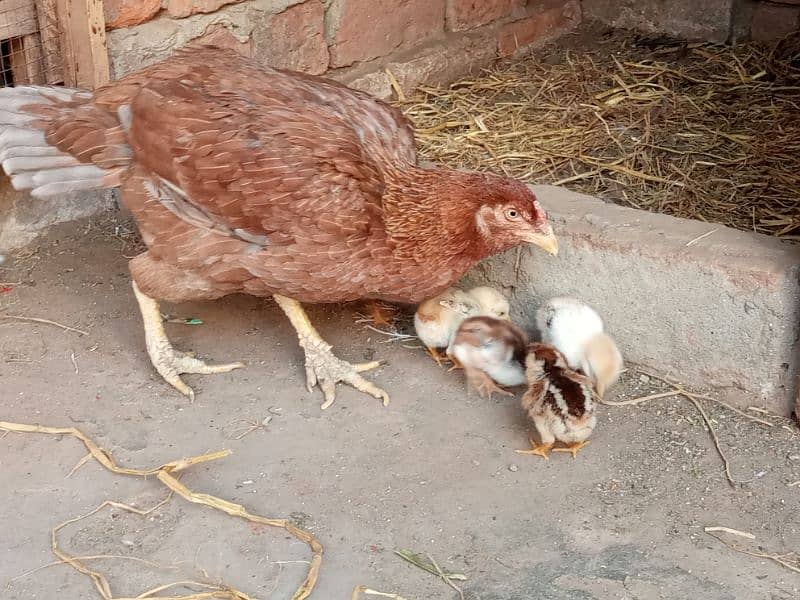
558, 401
491, 351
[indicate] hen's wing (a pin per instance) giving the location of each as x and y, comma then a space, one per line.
266, 152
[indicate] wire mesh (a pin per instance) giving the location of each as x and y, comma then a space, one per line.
30, 51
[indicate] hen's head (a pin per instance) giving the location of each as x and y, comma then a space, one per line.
508, 214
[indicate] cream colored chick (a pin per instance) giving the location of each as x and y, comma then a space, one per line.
492, 303
558, 401
491, 351
576, 330
437, 319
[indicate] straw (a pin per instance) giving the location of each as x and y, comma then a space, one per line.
698, 131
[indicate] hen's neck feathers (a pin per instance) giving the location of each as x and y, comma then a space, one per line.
431, 213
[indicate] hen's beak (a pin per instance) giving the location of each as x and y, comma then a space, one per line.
544, 238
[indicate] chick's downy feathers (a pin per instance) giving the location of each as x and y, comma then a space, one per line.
558, 400
576, 330
491, 351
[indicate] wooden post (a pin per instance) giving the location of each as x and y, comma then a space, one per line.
83, 37
49, 29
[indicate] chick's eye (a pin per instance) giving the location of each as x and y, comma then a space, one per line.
512, 213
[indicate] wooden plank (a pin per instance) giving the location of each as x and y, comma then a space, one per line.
17, 18
83, 42
34, 64
49, 29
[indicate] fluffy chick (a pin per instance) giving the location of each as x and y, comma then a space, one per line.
558, 401
576, 330
437, 319
490, 350
492, 303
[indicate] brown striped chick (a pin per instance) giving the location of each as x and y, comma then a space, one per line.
558, 401
492, 303
576, 330
491, 351
437, 319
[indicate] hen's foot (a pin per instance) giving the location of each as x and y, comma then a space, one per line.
572, 448
484, 385
322, 366
171, 363
542, 450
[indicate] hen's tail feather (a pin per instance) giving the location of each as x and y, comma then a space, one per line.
55, 140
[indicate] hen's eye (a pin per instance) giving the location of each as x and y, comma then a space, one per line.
512, 213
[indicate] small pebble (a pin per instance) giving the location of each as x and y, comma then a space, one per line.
644, 379
513, 468
128, 543
794, 457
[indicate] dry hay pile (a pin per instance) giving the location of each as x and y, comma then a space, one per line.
693, 130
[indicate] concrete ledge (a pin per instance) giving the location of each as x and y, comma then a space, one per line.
23, 218
721, 310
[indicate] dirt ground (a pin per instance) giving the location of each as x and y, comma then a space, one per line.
434, 472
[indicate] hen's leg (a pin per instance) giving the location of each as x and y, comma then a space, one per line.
322, 366
170, 363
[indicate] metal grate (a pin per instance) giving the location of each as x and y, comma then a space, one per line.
30, 51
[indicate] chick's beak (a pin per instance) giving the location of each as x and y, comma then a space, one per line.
544, 238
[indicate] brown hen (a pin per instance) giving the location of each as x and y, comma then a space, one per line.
247, 179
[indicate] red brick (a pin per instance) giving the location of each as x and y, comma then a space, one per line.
124, 13
185, 8
772, 22
218, 35
367, 29
538, 27
294, 39
468, 14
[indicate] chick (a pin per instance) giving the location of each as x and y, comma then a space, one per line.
576, 330
490, 350
437, 319
492, 303
558, 401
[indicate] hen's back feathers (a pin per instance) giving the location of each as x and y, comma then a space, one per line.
206, 121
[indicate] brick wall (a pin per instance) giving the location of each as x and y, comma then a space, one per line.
355, 41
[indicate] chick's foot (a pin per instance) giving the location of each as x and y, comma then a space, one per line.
572, 448
382, 315
322, 366
171, 363
542, 450
436, 355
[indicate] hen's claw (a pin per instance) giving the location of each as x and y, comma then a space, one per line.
326, 369
171, 363
323, 368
